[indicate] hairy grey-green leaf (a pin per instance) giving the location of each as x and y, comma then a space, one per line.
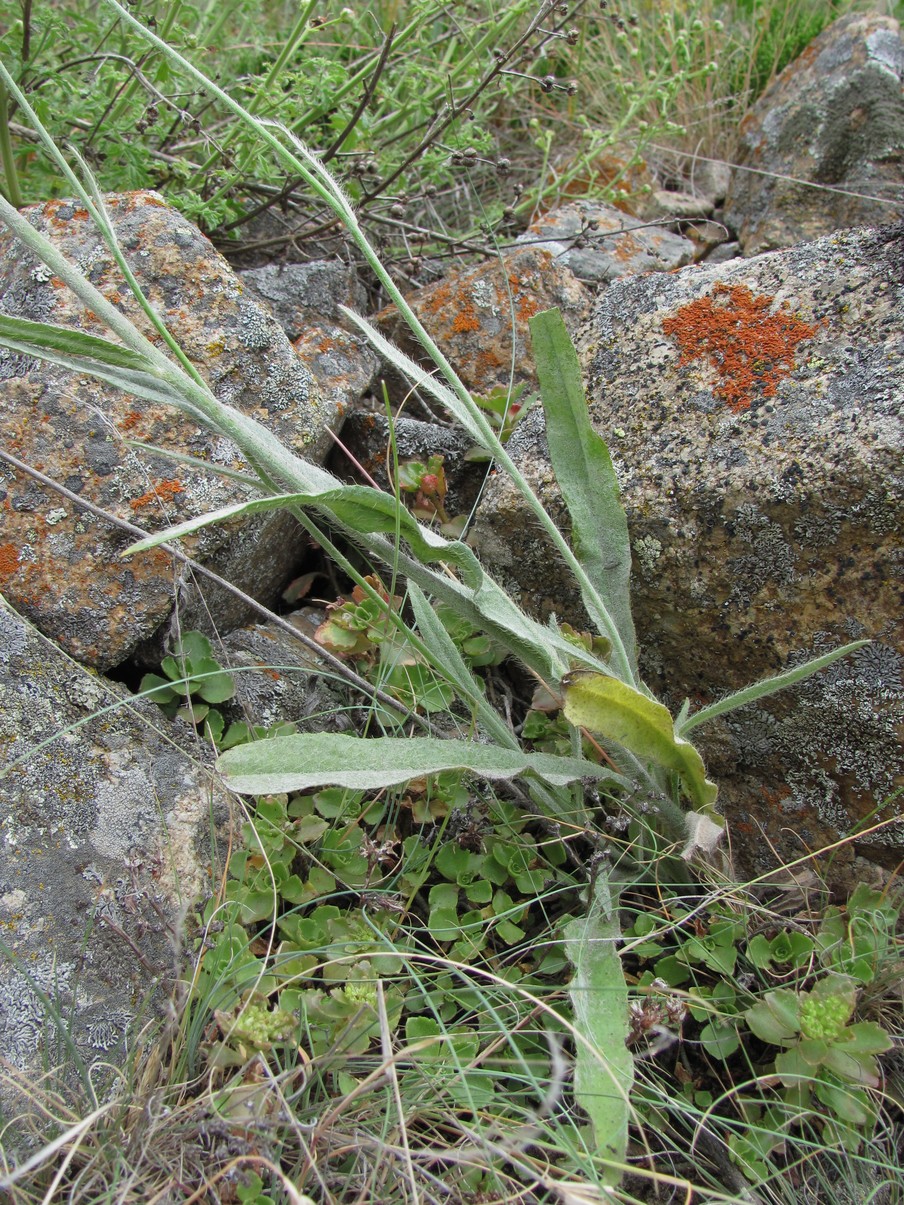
604, 1067
24, 331
303, 761
761, 690
584, 473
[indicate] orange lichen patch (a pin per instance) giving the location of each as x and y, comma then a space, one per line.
487, 362
465, 320
438, 299
52, 208
9, 560
132, 419
527, 306
164, 491
625, 247
748, 347
458, 304
142, 197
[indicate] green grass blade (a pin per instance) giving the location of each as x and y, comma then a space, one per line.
70, 275
604, 1067
299, 159
195, 462
584, 472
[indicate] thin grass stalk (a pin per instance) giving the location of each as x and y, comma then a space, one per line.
42, 1157
11, 189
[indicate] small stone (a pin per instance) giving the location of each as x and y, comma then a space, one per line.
678, 206
600, 243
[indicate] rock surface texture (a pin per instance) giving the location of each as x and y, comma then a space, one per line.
296, 293
479, 317
106, 839
823, 148
278, 680
599, 243
305, 300
63, 568
754, 411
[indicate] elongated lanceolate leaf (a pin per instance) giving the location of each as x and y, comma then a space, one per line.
604, 1068
70, 342
358, 507
639, 724
126, 370
762, 690
584, 473
304, 761
367, 511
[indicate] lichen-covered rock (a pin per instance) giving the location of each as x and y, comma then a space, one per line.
823, 148
342, 364
278, 679
754, 412
599, 243
105, 841
296, 293
479, 317
305, 299
61, 567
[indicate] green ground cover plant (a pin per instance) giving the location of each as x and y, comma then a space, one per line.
445, 967
363, 85
421, 111
695, 109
